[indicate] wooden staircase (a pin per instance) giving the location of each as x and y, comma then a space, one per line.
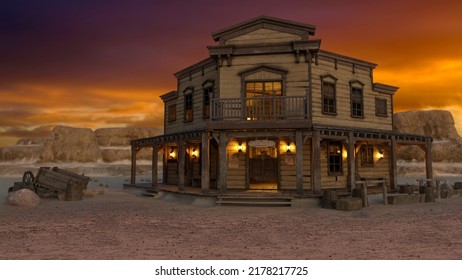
254, 201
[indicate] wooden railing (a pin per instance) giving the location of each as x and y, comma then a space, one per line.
260, 108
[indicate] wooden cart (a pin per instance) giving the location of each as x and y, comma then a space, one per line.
54, 181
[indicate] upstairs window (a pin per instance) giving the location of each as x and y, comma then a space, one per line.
207, 95
381, 108
188, 104
334, 157
171, 113
356, 97
328, 92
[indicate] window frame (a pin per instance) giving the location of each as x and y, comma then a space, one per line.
335, 158
384, 106
367, 155
171, 113
328, 81
188, 95
208, 89
357, 100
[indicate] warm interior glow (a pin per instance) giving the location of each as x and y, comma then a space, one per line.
172, 154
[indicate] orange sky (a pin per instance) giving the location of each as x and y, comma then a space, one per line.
104, 64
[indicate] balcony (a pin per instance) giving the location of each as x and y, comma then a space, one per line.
260, 108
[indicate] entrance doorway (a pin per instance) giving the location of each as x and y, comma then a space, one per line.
263, 167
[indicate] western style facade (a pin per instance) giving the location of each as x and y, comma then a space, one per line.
269, 110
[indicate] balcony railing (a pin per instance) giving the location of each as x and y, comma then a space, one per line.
260, 108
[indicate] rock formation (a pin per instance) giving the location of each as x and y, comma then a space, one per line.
438, 124
447, 144
70, 144
23, 197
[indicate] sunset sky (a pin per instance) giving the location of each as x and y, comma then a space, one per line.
104, 63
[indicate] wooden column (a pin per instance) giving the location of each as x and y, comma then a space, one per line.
181, 164
205, 162
351, 162
223, 162
165, 165
429, 160
133, 166
393, 166
154, 166
316, 162
299, 161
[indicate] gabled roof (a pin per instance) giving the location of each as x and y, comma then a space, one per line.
287, 26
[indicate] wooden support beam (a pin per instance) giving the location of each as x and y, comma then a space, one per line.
393, 166
181, 165
205, 162
133, 165
316, 162
351, 162
299, 161
429, 160
223, 162
165, 165
155, 151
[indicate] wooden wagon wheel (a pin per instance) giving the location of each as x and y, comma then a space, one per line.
28, 179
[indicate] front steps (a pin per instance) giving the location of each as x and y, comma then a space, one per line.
255, 201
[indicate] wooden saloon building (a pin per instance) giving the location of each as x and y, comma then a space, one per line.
268, 109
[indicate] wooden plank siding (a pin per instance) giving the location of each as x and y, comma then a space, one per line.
236, 174
195, 80
288, 172
380, 169
344, 74
296, 83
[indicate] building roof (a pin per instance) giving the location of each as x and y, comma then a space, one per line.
291, 27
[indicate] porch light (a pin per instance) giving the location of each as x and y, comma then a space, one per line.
380, 153
288, 147
172, 154
344, 154
194, 153
240, 148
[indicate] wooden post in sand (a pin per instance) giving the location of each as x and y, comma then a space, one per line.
133, 165
223, 164
316, 162
154, 166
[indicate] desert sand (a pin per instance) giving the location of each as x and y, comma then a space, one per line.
123, 224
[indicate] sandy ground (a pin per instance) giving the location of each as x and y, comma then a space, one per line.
122, 224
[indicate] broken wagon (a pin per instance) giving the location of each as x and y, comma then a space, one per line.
49, 181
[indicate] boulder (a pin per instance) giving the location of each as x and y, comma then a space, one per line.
23, 197
70, 144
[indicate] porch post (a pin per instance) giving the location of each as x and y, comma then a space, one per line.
393, 166
316, 162
299, 161
351, 162
181, 165
223, 176
428, 160
165, 165
154, 166
205, 162
133, 165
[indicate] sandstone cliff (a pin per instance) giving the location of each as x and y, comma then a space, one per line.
447, 144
